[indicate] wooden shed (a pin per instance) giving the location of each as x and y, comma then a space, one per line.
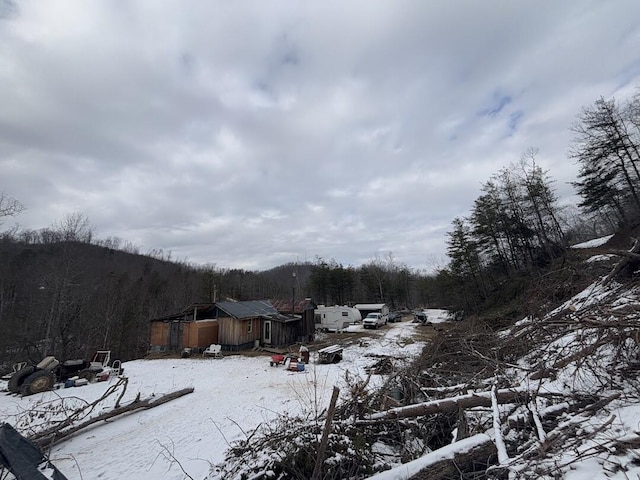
244, 325
195, 328
304, 308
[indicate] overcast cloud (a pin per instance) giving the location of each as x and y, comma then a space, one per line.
255, 133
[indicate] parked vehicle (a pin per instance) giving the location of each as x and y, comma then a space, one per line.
421, 317
395, 317
374, 320
367, 308
336, 318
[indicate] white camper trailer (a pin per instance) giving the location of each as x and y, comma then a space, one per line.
336, 318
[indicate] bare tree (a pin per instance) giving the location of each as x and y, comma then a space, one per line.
75, 227
9, 206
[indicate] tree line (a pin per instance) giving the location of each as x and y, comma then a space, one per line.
67, 293
516, 226
381, 280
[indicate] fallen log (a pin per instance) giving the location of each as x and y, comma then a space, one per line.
435, 391
630, 257
83, 412
453, 404
48, 438
470, 454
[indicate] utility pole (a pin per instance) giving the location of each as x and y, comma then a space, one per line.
293, 292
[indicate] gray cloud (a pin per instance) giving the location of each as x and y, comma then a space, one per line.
250, 134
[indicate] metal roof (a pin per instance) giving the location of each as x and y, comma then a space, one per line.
249, 309
300, 306
370, 306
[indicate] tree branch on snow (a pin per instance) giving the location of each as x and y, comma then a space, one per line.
542, 435
50, 438
503, 456
171, 458
446, 462
79, 413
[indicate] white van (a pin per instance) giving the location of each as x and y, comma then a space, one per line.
336, 318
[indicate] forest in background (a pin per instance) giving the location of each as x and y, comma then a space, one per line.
65, 292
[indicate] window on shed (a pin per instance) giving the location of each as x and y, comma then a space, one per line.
345, 314
249, 325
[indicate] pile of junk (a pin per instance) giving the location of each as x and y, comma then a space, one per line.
51, 373
291, 361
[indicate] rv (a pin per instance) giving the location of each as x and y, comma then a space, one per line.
336, 318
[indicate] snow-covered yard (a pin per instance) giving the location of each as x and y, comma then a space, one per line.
232, 396
565, 405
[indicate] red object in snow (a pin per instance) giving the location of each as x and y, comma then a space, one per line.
280, 359
276, 360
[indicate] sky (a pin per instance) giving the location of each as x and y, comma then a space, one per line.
250, 134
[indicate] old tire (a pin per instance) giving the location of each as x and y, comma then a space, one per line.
38, 382
89, 375
17, 379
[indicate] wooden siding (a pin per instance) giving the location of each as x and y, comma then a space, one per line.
305, 328
173, 335
233, 333
284, 334
200, 334
159, 333
308, 326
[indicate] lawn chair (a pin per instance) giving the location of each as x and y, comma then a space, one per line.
214, 350
116, 368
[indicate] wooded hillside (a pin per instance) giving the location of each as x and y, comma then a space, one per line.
71, 295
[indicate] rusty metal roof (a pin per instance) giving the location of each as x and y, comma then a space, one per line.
300, 306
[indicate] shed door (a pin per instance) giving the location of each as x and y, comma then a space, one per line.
266, 338
175, 335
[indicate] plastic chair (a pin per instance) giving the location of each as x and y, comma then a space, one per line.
116, 367
214, 350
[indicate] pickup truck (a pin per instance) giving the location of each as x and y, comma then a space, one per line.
374, 320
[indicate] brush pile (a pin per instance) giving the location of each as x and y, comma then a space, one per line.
553, 396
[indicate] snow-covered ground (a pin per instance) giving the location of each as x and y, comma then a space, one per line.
596, 242
436, 315
232, 396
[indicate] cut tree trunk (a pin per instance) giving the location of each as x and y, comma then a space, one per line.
49, 438
446, 405
631, 257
